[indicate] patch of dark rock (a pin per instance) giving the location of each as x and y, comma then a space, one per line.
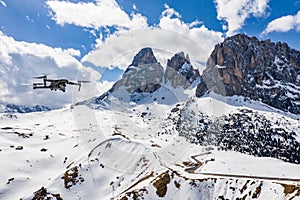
6, 128
10, 115
42, 194
245, 186
242, 198
135, 194
19, 147
65, 160
23, 135
177, 185
289, 189
257, 191
144, 114
43, 150
161, 184
175, 110
72, 177
10, 180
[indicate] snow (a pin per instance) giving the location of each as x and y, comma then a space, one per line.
185, 67
221, 66
117, 150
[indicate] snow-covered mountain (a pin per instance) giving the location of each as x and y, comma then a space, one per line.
152, 138
13, 108
145, 78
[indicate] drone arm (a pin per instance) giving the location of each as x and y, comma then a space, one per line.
79, 86
74, 83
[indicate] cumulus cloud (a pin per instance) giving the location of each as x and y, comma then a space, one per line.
101, 13
235, 12
20, 61
171, 35
284, 24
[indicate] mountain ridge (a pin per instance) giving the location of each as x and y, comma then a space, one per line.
260, 70
146, 75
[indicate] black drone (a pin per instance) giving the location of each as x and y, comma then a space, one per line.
56, 84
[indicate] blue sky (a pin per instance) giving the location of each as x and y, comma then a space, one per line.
29, 20
100, 37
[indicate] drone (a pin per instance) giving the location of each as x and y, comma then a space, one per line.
56, 84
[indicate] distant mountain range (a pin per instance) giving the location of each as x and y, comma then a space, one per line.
13, 108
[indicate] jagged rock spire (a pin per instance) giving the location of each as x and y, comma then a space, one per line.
180, 72
144, 56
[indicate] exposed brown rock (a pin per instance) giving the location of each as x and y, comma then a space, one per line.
180, 72
145, 56
261, 70
145, 74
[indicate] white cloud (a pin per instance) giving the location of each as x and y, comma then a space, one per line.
170, 12
133, 33
284, 24
170, 36
100, 13
20, 61
235, 12
3, 3
134, 7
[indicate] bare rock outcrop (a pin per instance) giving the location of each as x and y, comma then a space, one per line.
180, 72
261, 70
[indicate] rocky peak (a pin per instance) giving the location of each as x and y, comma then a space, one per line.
261, 70
144, 56
144, 74
180, 72
176, 61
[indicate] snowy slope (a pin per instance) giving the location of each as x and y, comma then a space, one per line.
133, 151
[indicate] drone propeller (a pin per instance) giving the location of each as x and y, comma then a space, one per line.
26, 84
73, 83
84, 81
40, 77
78, 83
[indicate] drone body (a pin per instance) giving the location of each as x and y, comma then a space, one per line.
56, 84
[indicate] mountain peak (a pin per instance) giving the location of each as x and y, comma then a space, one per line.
144, 56
146, 75
180, 72
261, 70
177, 61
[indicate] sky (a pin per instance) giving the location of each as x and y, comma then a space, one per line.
96, 40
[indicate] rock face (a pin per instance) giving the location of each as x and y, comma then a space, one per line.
245, 131
145, 56
260, 70
145, 73
180, 72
